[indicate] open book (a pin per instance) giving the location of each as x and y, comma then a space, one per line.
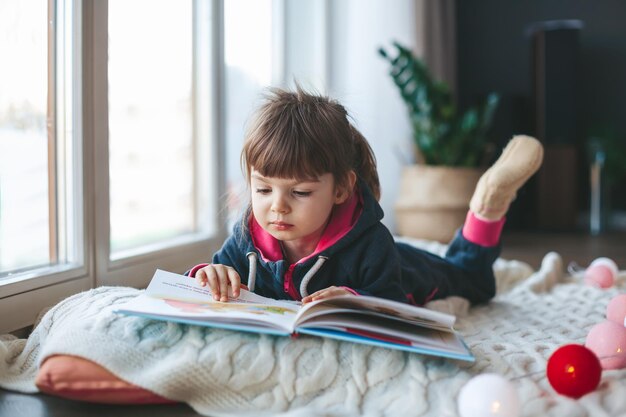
359, 319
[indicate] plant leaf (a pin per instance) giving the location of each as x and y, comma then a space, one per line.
440, 134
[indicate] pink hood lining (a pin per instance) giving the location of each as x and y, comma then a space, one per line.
343, 218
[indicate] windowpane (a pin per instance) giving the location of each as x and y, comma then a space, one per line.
25, 232
151, 135
252, 64
152, 197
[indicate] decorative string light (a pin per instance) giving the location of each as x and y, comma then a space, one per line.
488, 395
573, 370
616, 309
601, 272
608, 341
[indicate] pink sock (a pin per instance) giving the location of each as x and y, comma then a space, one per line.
482, 232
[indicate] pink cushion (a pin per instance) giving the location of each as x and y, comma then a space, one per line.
77, 378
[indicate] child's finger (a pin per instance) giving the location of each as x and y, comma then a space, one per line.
312, 297
213, 282
201, 279
320, 295
235, 281
223, 283
325, 293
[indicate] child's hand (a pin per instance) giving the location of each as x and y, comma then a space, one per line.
219, 277
326, 293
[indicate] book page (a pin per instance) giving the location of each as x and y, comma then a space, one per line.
375, 306
389, 329
179, 298
385, 323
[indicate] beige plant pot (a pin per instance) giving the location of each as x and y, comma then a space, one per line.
433, 200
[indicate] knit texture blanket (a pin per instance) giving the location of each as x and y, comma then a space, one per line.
222, 373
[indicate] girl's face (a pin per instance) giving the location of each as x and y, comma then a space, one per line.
294, 210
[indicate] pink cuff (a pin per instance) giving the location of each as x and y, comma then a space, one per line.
350, 290
412, 301
192, 271
482, 232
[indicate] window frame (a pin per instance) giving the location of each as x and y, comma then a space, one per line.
24, 295
137, 269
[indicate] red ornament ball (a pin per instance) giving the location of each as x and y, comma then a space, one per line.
574, 370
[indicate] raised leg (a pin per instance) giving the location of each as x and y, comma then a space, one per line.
497, 188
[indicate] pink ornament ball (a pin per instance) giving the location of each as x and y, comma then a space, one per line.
616, 309
573, 370
608, 341
601, 273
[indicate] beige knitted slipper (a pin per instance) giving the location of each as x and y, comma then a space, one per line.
498, 186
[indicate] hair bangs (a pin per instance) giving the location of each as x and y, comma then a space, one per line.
287, 154
303, 136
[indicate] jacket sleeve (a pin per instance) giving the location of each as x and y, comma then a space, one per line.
379, 272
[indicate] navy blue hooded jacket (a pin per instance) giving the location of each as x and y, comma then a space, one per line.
368, 260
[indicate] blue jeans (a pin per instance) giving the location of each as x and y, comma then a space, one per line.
466, 271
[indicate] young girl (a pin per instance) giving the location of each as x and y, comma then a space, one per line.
313, 227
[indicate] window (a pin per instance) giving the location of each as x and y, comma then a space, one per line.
267, 42
150, 123
25, 236
110, 159
160, 138
41, 207
252, 33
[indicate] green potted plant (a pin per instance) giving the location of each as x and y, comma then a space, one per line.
450, 148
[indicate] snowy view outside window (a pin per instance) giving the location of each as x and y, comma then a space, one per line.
151, 142
249, 54
24, 218
151, 120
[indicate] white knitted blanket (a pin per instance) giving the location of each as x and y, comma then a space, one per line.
220, 372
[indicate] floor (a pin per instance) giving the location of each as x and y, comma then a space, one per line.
573, 247
22, 405
525, 246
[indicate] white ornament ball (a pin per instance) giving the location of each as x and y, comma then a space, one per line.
488, 395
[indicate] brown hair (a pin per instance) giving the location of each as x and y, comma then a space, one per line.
302, 135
